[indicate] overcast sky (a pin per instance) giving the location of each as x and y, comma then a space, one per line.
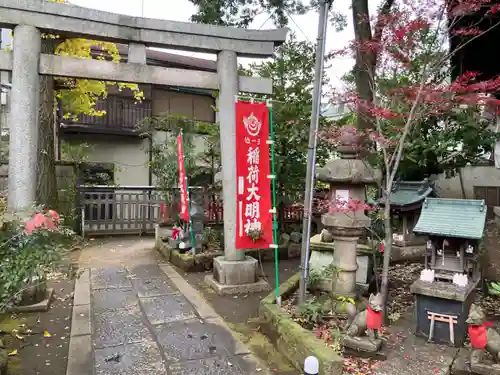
304, 26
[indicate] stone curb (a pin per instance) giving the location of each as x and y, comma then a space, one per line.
291, 340
80, 343
208, 314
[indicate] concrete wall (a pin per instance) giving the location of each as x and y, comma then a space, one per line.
479, 176
130, 154
127, 154
193, 106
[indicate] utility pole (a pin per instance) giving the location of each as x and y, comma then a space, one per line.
313, 141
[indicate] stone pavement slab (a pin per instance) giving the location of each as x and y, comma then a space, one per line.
207, 366
113, 299
142, 358
118, 327
191, 339
167, 309
142, 319
153, 287
144, 271
106, 278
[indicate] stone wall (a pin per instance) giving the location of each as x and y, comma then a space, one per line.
480, 176
65, 183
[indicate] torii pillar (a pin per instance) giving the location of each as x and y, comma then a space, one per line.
23, 118
234, 272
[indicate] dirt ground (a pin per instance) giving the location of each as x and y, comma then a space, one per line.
36, 354
241, 313
32, 352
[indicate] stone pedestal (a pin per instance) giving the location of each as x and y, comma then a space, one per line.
322, 257
344, 259
162, 233
345, 229
236, 277
362, 344
442, 298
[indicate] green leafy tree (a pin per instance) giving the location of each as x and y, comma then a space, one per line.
241, 13
292, 71
77, 97
163, 130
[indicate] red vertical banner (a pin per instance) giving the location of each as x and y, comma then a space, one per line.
184, 214
254, 222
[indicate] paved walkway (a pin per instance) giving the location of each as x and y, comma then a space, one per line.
145, 319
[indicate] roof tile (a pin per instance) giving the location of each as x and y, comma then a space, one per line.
462, 218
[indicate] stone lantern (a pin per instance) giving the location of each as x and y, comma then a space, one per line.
348, 177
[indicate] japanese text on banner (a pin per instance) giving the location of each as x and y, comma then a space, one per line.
254, 220
184, 209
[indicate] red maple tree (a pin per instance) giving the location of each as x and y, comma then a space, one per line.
403, 77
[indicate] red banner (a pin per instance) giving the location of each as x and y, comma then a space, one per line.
184, 214
254, 222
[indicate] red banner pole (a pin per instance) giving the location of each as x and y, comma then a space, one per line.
254, 222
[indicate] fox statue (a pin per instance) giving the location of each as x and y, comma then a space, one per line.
368, 320
482, 335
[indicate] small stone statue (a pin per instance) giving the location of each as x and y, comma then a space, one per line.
483, 337
284, 240
362, 332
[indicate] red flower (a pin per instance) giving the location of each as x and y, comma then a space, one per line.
40, 220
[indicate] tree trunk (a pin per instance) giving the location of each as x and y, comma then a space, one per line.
366, 58
384, 288
364, 68
46, 189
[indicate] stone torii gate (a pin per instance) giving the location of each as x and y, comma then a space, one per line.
29, 18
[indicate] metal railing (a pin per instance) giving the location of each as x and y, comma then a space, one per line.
119, 209
111, 210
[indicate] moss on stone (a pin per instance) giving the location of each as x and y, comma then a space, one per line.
259, 345
293, 341
164, 249
193, 263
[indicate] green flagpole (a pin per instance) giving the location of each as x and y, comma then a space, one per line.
190, 222
274, 210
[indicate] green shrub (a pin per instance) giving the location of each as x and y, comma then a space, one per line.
27, 259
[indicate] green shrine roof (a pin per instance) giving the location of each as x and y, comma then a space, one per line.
461, 218
407, 193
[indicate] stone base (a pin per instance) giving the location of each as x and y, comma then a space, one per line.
41, 306
463, 363
410, 252
230, 272
162, 233
235, 277
224, 289
362, 344
442, 298
481, 365
294, 250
